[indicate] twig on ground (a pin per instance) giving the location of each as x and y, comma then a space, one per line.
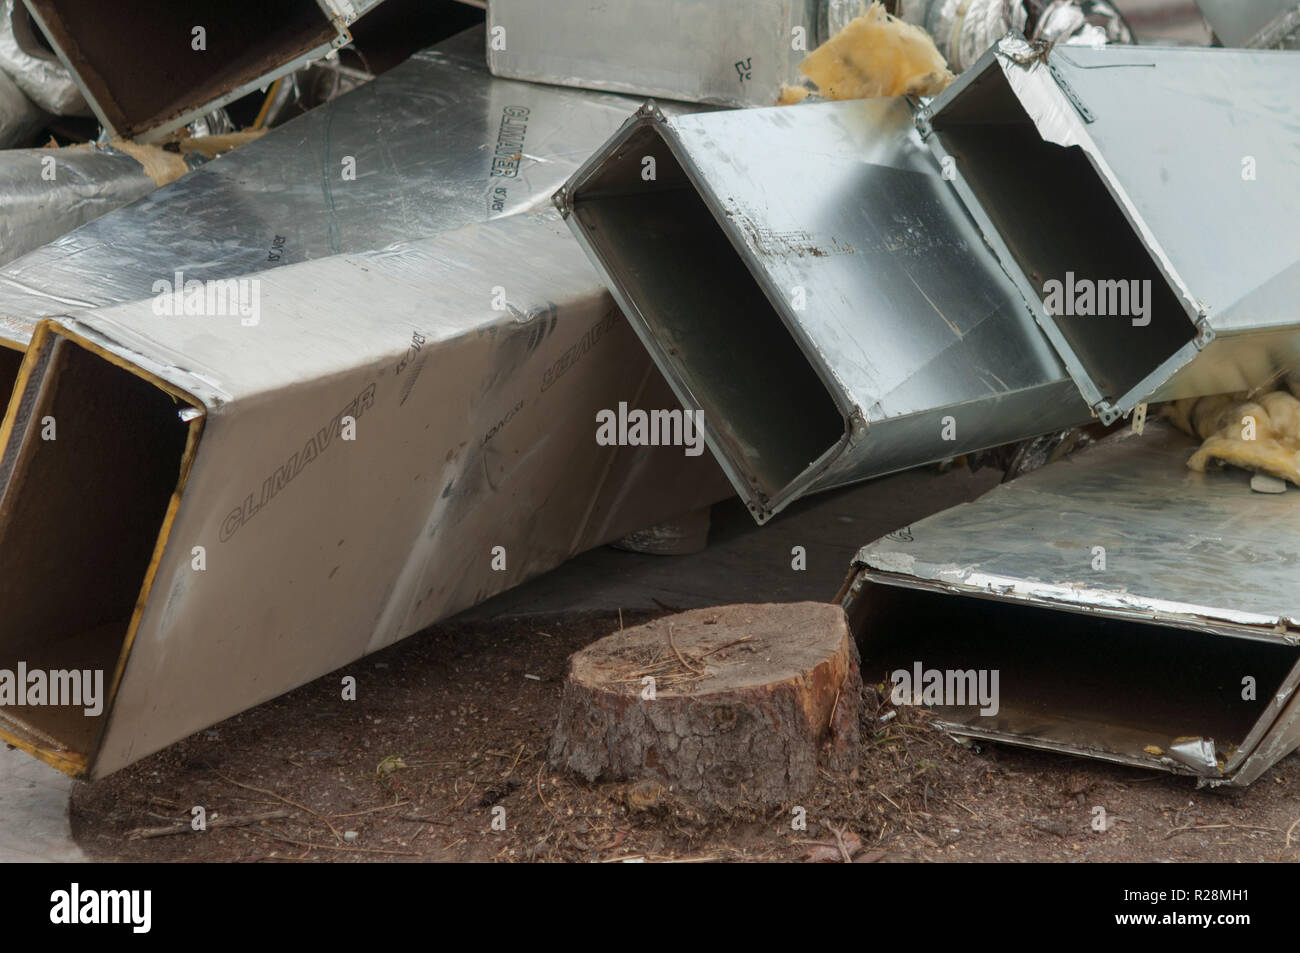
280, 797
220, 821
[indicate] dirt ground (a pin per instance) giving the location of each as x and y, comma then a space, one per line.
454, 723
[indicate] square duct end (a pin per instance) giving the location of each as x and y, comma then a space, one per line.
149, 66
1051, 216
94, 460
715, 329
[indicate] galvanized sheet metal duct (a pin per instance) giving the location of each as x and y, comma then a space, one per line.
1077, 164
474, 429
1125, 626
147, 67
806, 278
740, 54
734, 54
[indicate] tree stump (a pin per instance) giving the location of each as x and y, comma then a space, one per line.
729, 706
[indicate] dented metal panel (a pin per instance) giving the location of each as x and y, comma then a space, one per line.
1136, 611
365, 446
1143, 136
805, 277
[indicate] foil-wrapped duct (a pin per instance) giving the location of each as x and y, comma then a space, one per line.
361, 445
19, 116
436, 142
33, 66
48, 192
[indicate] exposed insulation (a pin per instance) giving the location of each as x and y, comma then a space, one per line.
212, 146
159, 164
1262, 435
792, 94
877, 55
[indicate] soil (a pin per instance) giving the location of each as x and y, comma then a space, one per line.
453, 724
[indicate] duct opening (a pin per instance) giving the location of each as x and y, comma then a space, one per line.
140, 61
711, 322
93, 462
1061, 224
1077, 680
10, 361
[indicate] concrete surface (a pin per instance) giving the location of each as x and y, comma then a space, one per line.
34, 811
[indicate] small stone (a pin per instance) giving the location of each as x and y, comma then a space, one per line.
1263, 483
350, 836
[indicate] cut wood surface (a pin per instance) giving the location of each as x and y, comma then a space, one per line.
728, 705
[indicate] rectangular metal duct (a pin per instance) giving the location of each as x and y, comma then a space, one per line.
1133, 610
733, 54
231, 509
438, 143
804, 276
147, 67
1119, 169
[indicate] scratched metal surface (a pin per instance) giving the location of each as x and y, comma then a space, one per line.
908, 314
734, 54
1196, 549
480, 437
424, 136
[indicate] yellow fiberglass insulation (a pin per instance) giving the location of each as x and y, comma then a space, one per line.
877, 55
1261, 435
